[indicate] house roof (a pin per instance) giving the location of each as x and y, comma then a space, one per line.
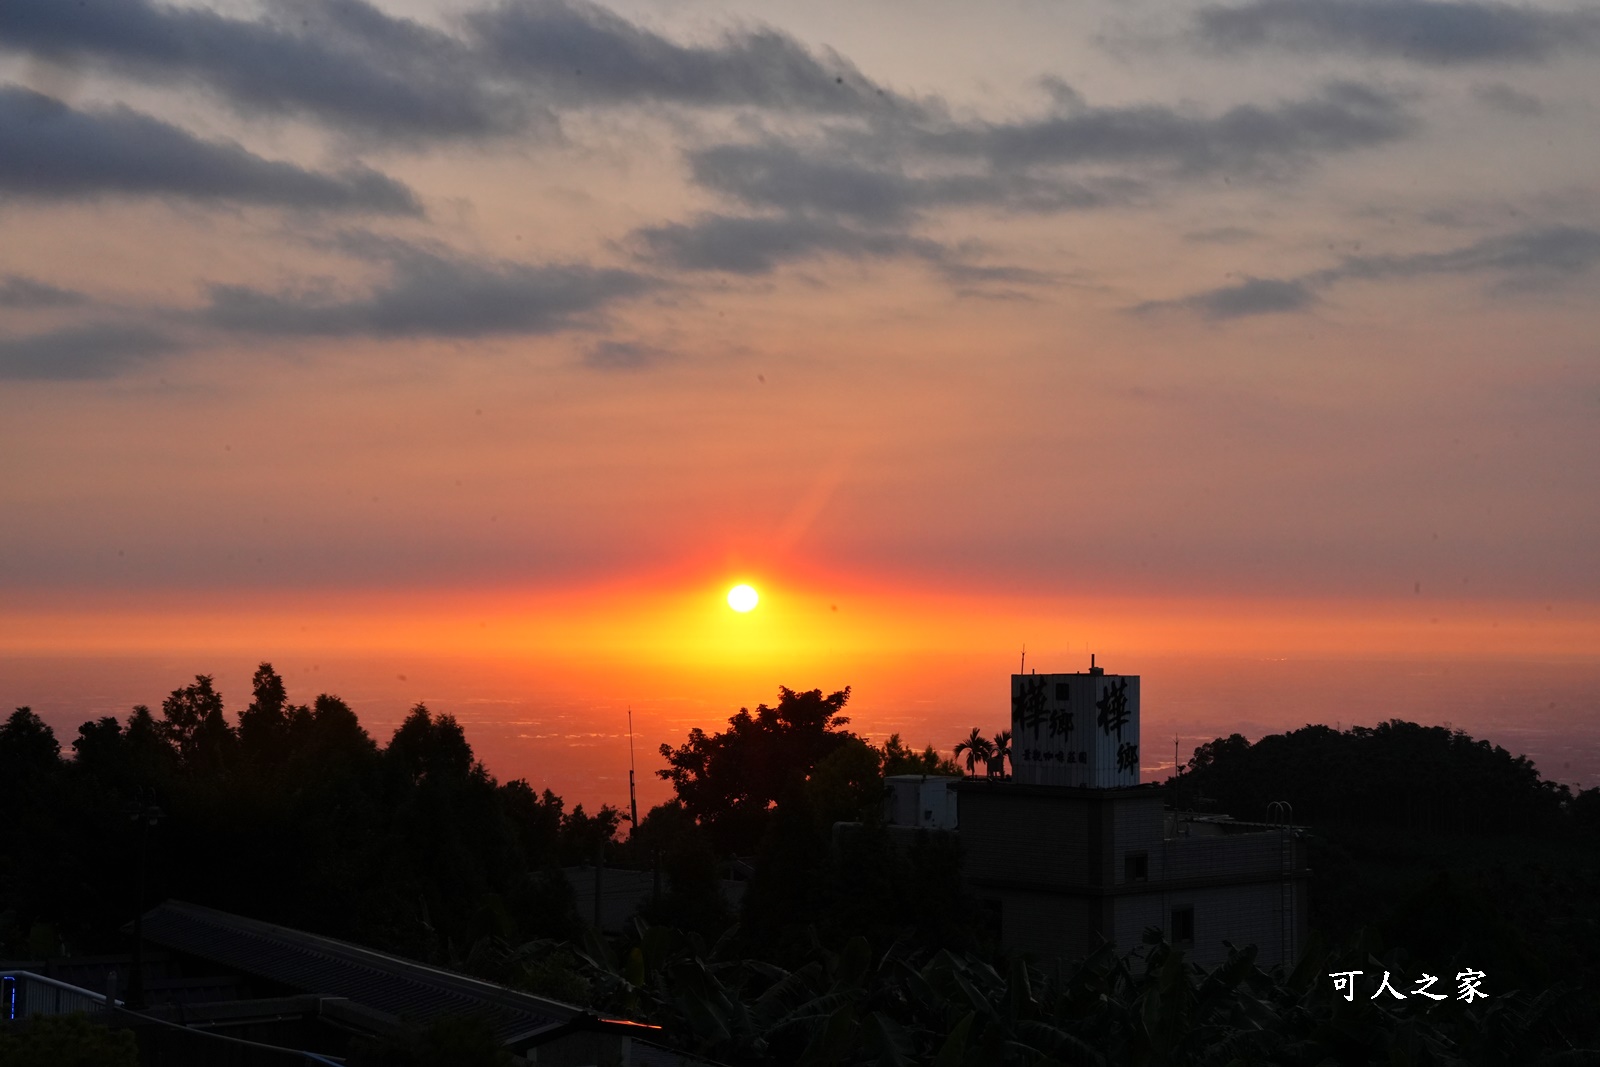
312, 963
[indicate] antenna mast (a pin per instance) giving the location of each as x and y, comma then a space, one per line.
633, 798
1022, 668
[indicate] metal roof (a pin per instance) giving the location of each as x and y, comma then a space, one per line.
314, 964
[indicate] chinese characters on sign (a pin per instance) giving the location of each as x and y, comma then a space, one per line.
1078, 730
1034, 754
1027, 706
1113, 707
1468, 986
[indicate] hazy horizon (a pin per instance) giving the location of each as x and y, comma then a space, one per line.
571, 736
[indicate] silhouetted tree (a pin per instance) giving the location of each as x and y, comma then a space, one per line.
731, 781
899, 759
430, 749
977, 747
1002, 748
194, 723
1397, 774
263, 726
27, 744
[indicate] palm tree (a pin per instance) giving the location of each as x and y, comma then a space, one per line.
1002, 748
977, 747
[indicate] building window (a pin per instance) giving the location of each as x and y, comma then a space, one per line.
1136, 867
1183, 926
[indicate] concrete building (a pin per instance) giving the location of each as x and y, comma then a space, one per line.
1071, 851
922, 801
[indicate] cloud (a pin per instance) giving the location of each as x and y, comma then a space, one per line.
342, 62
584, 54
1221, 235
885, 175
773, 174
355, 68
1526, 258
823, 179
756, 245
1525, 261
1253, 296
1341, 117
1427, 31
1503, 97
431, 294
859, 190
18, 291
623, 356
51, 151
99, 350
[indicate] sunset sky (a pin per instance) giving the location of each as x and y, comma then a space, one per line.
531, 327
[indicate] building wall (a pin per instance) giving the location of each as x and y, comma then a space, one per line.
921, 800
1044, 924
1263, 914
1023, 838
1230, 854
1138, 825
1054, 861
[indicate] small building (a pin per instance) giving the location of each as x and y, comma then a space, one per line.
1072, 852
920, 801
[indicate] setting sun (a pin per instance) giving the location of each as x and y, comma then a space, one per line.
742, 598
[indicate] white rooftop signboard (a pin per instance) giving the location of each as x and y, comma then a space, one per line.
1075, 729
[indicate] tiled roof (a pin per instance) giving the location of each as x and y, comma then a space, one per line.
311, 963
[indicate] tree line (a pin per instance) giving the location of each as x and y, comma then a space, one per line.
848, 949
294, 815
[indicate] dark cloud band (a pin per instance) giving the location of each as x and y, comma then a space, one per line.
51, 151
1524, 260
1426, 31
17, 291
98, 350
428, 294
342, 62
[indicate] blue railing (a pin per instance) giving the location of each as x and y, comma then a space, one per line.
24, 994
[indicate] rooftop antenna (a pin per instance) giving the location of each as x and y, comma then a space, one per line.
1022, 668
633, 798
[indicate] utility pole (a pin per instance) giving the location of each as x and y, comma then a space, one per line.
633, 798
146, 816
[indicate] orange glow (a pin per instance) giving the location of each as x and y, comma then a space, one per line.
806, 622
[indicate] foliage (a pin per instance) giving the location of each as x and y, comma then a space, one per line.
1001, 743
27, 745
1395, 774
66, 1041
1428, 839
295, 816
899, 759
977, 748
730, 781
854, 1006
